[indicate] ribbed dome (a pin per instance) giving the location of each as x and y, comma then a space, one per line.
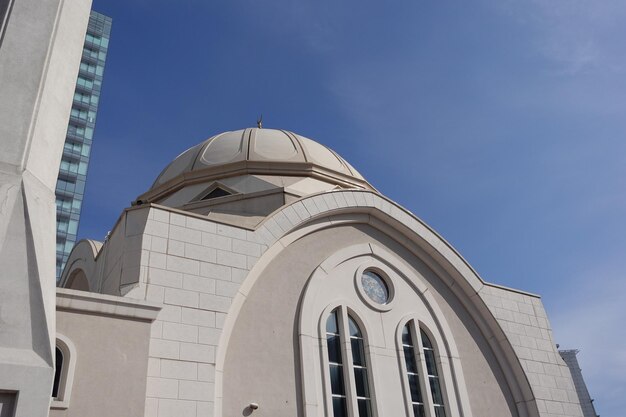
254, 144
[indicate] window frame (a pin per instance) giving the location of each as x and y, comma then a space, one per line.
416, 327
66, 378
349, 381
332, 284
381, 270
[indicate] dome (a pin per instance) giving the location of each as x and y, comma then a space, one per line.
255, 145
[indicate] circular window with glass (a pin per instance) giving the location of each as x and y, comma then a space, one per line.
375, 287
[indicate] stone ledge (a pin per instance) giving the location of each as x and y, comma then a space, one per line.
109, 305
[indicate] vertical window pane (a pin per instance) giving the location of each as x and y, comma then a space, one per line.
331, 323
334, 348
339, 407
358, 355
409, 357
418, 410
406, 336
431, 366
436, 390
433, 379
336, 380
360, 376
364, 408
360, 368
414, 386
440, 411
425, 340
73, 227
354, 328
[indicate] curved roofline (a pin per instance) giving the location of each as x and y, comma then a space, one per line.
237, 168
306, 151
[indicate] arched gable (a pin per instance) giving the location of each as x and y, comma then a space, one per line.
80, 269
329, 209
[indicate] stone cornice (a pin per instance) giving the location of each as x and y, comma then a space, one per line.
294, 169
108, 305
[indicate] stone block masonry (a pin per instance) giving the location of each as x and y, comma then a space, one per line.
195, 268
524, 321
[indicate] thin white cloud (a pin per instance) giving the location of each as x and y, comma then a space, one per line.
574, 34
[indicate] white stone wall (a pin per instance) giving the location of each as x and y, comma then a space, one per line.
194, 267
524, 321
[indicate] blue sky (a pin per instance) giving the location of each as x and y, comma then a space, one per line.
500, 123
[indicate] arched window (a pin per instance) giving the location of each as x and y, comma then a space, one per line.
350, 393
422, 375
57, 372
353, 364
433, 375
65, 356
411, 359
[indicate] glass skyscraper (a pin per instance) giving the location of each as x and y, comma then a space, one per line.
70, 186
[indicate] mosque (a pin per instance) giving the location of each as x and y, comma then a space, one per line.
262, 275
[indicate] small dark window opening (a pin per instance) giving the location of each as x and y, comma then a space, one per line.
5, 11
217, 192
57, 373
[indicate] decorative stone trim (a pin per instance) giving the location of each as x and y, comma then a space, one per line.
310, 334
380, 269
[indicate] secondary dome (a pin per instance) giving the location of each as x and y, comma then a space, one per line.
255, 145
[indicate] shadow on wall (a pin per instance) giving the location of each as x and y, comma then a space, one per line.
78, 281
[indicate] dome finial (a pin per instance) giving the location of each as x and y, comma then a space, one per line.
259, 122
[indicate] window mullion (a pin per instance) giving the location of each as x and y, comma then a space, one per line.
348, 367
423, 372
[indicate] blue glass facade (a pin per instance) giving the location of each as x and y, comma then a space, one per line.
70, 186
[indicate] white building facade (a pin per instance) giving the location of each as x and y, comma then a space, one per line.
263, 275
40, 48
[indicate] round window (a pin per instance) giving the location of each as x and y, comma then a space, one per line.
375, 287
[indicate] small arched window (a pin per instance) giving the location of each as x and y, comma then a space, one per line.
65, 357
350, 393
423, 386
57, 372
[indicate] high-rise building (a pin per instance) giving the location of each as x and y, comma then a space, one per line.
70, 186
586, 403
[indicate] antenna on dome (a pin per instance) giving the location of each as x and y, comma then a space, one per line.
259, 122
